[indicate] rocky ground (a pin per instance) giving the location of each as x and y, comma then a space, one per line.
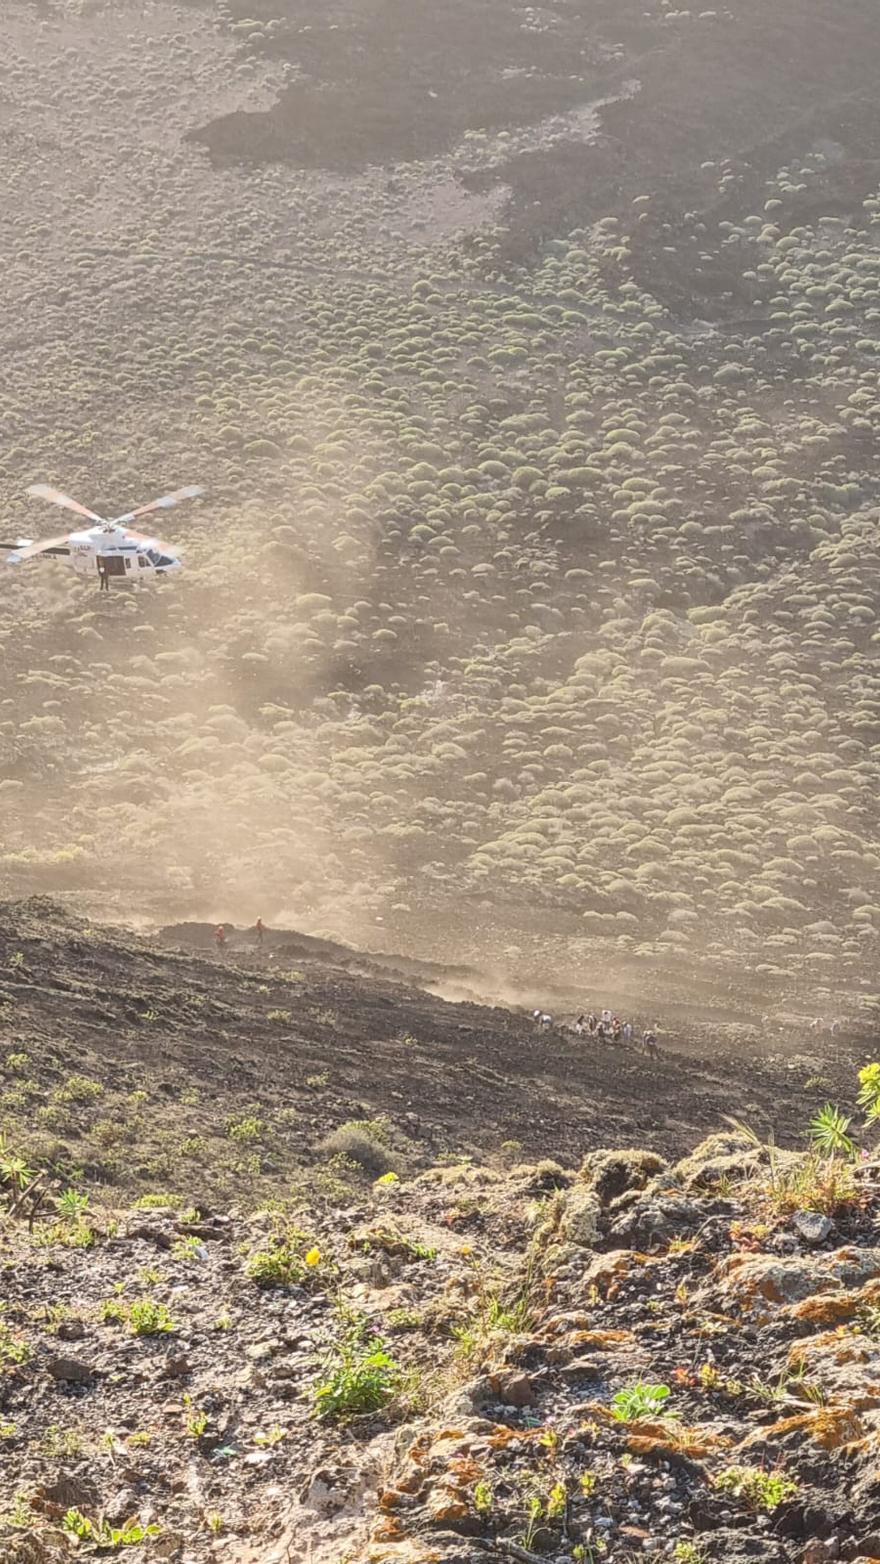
402, 1343
167, 1369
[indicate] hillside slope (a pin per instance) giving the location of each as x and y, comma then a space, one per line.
113, 1041
328, 1268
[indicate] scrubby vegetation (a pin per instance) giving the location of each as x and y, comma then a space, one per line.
519, 580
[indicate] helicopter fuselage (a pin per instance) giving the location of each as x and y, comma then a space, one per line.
117, 555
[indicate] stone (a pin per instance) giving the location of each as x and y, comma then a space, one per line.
70, 1371
609, 1173
727, 1155
71, 1330
818, 1551
605, 1271
580, 1218
582, 1369
515, 1390
847, 1369
754, 1281
812, 1226
655, 1219
176, 1366
259, 1351
469, 1399
67, 1492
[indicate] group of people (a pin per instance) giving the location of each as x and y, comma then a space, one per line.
606, 1027
220, 934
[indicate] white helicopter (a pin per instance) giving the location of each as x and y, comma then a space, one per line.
107, 548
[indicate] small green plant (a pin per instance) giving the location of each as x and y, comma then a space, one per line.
158, 1201
245, 1129
17, 1062
140, 1440
214, 1522
640, 1401
60, 1442
688, 1553
278, 1015
223, 1321
491, 1321
287, 1259
14, 1171
20, 1517
102, 1535
148, 1276
482, 1498
557, 1501
364, 1142
321, 1079
587, 1484
272, 1437
14, 1350
146, 1317
187, 1248
829, 1132
113, 1311
758, 1489
869, 1092
360, 1376
387, 1241
196, 1419
8, 1430
79, 1088
534, 1513
71, 1205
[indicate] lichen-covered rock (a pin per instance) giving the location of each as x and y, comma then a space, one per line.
755, 1281
847, 1368
654, 1219
580, 1218
609, 1173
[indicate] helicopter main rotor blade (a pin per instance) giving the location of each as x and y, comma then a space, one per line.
42, 491
48, 545
165, 503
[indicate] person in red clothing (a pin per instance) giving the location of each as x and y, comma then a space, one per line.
220, 937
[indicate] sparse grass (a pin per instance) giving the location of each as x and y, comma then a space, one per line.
753, 1486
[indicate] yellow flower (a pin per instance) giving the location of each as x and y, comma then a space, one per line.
313, 1257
